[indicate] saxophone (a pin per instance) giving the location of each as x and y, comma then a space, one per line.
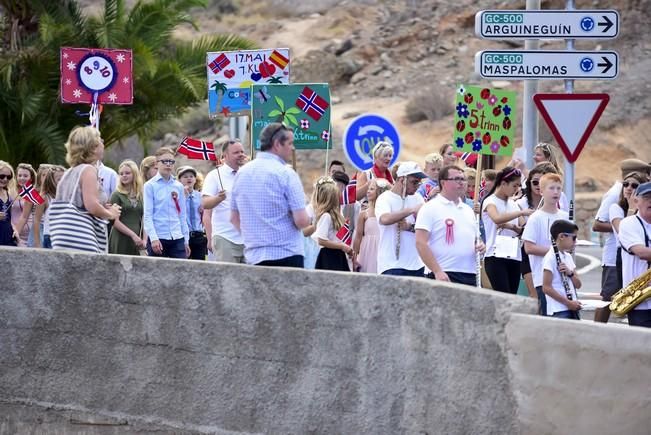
632, 295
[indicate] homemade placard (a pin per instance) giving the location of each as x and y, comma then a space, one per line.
484, 120
305, 108
231, 74
93, 75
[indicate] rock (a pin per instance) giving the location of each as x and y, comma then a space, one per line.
357, 78
344, 47
349, 115
500, 84
387, 74
335, 100
348, 66
462, 48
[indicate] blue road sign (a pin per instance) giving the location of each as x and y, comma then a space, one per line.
363, 133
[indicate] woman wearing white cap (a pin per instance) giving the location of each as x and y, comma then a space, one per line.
198, 242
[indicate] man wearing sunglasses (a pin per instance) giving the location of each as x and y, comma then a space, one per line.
634, 234
268, 203
446, 232
164, 216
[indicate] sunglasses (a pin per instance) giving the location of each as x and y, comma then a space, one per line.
535, 182
168, 162
457, 179
6, 177
633, 185
573, 236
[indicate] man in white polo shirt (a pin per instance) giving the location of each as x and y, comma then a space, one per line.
227, 243
396, 211
446, 231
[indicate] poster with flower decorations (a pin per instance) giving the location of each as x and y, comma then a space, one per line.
484, 120
231, 74
305, 108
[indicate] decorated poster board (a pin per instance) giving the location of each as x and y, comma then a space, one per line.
305, 108
231, 74
96, 76
484, 120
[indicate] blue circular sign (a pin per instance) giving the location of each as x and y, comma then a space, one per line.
363, 133
587, 24
587, 64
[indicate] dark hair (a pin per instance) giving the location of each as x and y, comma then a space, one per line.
445, 172
341, 177
542, 169
270, 132
228, 143
336, 162
623, 202
506, 175
445, 147
562, 226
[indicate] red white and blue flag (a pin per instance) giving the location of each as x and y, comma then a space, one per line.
197, 149
344, 234
349, 195
29, 193
312, 104
219, 63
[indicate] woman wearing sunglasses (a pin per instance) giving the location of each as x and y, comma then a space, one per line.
7, 197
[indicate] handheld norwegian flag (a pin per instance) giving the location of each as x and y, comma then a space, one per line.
29, 193
344, 234
312, 104
349, 195
197, 149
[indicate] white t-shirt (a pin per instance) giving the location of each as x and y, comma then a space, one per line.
549, 263
631, 233
490, 227
221, 214
324, 229
615, 212
609, 252
537, 231
389, 202
108, 178
523, 203
459, 256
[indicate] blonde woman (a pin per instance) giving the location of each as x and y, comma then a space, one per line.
368, 231
7, 196
148, 168
544, 152
382, 156
78, 215
22, 212
126, 236
327, 210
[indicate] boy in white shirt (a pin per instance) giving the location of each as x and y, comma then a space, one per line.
536, 231
560, 279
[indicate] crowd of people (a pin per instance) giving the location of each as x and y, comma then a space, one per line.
397, 219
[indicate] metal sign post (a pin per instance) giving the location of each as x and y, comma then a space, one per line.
568, 178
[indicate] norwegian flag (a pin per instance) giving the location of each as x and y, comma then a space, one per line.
277, 58
428, 191
29, 193
482, 189
115, 64
312, 104
219, 63
305, 124
197, 149
344, 234
349, 195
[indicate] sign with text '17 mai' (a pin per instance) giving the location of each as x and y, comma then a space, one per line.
547, 64
484, 120
547, 24
304, 108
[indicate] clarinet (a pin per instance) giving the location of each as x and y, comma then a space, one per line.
566, 285
404, 197
571, 211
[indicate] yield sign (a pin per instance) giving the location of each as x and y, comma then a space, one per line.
571, 118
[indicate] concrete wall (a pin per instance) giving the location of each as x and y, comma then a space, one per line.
111, 344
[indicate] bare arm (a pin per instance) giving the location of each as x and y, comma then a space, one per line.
641, 251
335, 245
615, 225
362, 186
503, 218
602, 227
235, 219
534, 249
397, 216
38, 217
206, 220
361, 219
24, 216
209, 202
90, 195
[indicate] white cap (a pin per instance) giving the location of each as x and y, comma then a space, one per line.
410, 168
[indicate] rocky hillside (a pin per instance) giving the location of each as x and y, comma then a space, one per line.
403, 59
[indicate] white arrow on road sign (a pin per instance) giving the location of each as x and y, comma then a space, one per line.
571, 118
549, 24
547, 64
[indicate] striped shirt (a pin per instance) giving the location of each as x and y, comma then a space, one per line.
265, 193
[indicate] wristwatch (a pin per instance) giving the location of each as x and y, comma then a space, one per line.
570, 275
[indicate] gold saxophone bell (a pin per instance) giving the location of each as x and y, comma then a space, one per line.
632, 295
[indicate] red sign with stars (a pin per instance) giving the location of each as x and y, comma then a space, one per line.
106, 73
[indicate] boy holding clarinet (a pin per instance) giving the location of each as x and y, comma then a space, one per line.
560, 279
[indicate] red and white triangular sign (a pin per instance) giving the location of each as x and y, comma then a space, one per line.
571, 118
